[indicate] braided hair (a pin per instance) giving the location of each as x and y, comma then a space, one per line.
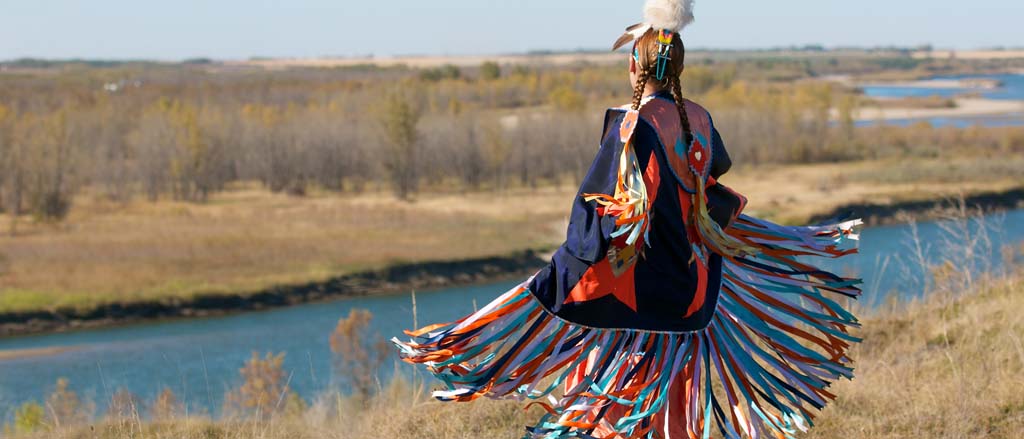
643, 75
646, 50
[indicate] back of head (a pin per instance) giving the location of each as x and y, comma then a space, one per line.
659, 57
658, 51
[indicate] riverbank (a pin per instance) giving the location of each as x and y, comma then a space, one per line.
945, 367
875, 214
394, 279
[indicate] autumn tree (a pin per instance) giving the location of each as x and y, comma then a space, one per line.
358, 353
399, 116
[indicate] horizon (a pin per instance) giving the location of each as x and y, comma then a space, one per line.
239, 30
810, 48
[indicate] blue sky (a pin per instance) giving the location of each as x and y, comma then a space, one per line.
236, 29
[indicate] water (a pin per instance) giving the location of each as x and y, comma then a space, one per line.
996, 121
199, 359
1012, 89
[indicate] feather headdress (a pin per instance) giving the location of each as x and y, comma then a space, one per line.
670, 15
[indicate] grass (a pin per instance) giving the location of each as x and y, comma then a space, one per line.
247, 239
950, 366
941, 368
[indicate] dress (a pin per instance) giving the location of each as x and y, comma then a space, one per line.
648, 324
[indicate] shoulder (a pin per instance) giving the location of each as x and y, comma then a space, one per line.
696, 110
612, 119
700, 119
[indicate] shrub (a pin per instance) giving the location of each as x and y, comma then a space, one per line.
264, 390
567, 99
165, 406
65, 408
358, 355
28, 418
490, 70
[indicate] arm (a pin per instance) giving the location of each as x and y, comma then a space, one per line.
725, 203
588, 234
721, 162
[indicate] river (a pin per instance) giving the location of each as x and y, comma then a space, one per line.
199, 359
1012, 88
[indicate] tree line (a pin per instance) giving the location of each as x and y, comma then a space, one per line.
187, 131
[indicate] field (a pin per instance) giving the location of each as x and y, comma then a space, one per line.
946, 367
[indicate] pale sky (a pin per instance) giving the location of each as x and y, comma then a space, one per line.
238, 29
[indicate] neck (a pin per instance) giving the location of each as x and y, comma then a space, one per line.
652, 89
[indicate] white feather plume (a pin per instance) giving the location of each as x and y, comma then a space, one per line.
672, 15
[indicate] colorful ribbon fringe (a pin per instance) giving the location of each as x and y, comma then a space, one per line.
777, 341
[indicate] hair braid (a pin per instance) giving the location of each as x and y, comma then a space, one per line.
643, 75
677, 95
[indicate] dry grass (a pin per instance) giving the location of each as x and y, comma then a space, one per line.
794, 193
944, 368
247, 239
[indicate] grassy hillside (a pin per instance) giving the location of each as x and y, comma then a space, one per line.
946, 367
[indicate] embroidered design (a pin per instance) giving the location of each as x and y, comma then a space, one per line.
628, 125
699, 156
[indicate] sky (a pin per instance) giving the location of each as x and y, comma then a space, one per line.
240, 29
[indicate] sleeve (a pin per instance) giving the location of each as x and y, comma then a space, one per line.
589, 233
721, 162
725, 203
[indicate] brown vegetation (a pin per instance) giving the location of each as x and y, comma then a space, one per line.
186, 132
358, 353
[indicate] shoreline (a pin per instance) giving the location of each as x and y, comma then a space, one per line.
877, 214
429, 275
962, 84
965, 107
398, 278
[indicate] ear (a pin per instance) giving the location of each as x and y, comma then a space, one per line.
632, 64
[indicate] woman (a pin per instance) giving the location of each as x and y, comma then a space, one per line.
666, 312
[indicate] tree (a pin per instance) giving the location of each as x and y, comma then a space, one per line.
399, 117
490, 70
498, 150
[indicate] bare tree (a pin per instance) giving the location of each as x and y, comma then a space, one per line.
399, 116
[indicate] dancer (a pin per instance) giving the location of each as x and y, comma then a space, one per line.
667, 312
